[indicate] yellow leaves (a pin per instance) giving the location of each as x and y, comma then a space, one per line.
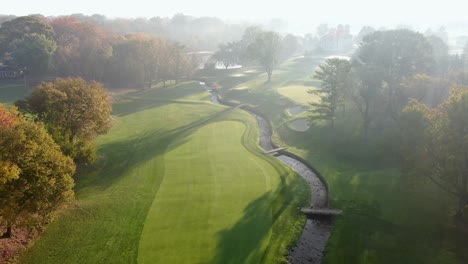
35, 177
8, 171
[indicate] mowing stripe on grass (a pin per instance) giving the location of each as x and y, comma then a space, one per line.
209, 181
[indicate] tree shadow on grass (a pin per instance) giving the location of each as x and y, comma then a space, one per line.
245, 241
119, 158
145, 99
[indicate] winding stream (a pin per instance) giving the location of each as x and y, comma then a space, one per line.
311, 246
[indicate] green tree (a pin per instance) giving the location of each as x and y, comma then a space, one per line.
365, 92
399, 53
74, 111
33, 51
21, 26
265, 50
334, 74
440, 54
35, 177
434, 145
228, 54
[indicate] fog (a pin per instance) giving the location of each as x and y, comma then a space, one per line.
298, 15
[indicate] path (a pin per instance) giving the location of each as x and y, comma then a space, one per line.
311, 246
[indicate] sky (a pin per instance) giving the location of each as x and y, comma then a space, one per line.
372, 12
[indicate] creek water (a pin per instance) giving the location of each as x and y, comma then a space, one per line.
311, 246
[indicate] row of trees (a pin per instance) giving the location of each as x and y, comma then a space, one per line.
67, 46
41, 145
264, 48
396, 80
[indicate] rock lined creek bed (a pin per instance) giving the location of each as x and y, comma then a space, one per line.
311, 246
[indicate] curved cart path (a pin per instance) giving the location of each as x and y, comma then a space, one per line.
311, 246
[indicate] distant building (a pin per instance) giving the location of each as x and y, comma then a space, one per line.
7, 72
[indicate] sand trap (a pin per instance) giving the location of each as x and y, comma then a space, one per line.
338, 57
300, 124
296, 110
240, 88
295, 58
238, 75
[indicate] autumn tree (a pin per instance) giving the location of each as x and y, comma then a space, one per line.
84, 48
429, 90
265, 51
434, 145
74, 111
35, 177
334, 77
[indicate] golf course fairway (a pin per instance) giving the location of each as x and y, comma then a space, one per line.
180, 180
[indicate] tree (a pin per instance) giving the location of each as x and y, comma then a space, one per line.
291, 45
434, 145
21, 26
228, 54
400, 53
426, 89
35, 177
34, 52
83, 48
74, 112
365, 92
334, 76
440, 54
265, 50
365, 30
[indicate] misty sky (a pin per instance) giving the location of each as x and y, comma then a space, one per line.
298, 11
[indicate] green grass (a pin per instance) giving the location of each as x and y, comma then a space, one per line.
11, 91
382, 221
299, 94
180, 179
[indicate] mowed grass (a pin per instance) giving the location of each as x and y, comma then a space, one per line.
208, 182
299, 94
180, 179
12, 90
382, 221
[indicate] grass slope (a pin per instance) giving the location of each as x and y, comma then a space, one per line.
12, 90
208, 181
381, 223
153, 132
299, 94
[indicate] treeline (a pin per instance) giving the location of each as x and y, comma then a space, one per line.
68, 46
42, 142
407, 88
258, 47
198, 33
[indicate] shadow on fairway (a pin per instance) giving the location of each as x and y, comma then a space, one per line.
121, 157
241, 242
156, 97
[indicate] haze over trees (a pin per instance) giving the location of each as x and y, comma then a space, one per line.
434, 145
401, 80
388, 129
70, 46
265, 50
334, 77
